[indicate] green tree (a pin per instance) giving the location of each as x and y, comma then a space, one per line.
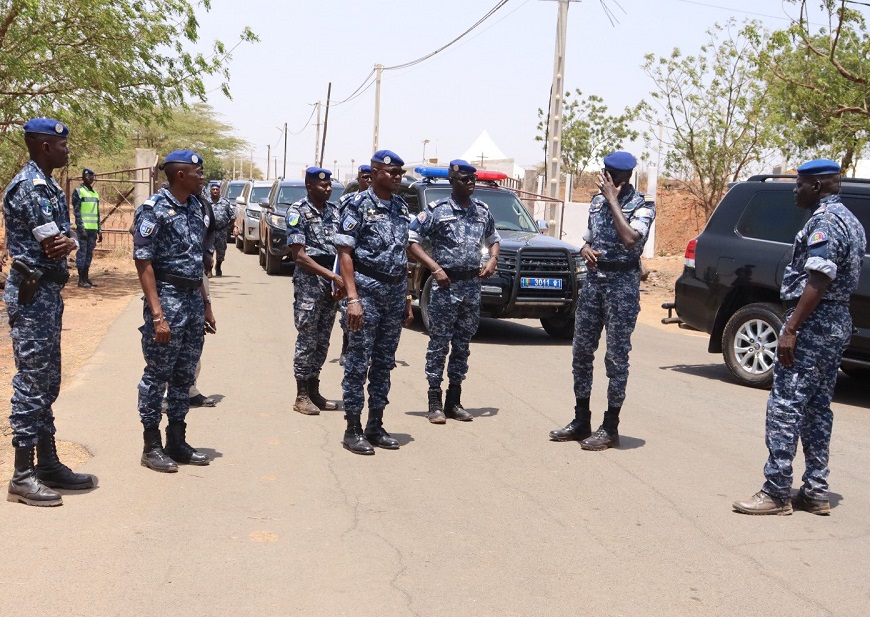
99, 64
588, 131
819, 91
710, 106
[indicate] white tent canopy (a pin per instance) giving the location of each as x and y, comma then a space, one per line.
492, 157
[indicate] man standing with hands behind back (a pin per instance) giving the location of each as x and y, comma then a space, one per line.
619, 223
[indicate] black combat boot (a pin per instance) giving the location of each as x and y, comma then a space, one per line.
317, 398
55, 474
436, 409
375, 432
304, 404
217, 268
452, 405
83, 279
88, 278
607, 435
153, 455
25, 486
579, 428
177, 447
354, 439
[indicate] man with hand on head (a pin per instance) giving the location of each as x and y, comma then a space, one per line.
457, 226
311, 226
168, 245
38, 241
371, 243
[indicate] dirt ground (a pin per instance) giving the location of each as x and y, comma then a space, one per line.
88, 313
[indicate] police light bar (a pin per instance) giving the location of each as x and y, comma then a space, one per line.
442, 172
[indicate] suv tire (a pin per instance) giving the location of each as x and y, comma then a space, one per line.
559, 326
273, 262
425, 296
248, 246
239, 241
749, 343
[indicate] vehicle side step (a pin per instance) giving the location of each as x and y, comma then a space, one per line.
670, 306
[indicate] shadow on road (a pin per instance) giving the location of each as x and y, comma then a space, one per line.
403, 438
506, 332
211, 453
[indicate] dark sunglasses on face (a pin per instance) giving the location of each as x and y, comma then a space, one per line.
467, 179
366, 176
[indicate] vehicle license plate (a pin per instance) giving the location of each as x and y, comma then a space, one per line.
535, 283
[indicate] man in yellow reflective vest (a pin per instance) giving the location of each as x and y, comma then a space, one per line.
86, 208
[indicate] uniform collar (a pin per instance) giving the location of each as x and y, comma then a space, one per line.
38, 171
167, 194
457, 208
822, 204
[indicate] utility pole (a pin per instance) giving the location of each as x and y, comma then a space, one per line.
325, 125
251, 167
553, 164
317, 135
285, 154
268, 158
234, 167
379, 68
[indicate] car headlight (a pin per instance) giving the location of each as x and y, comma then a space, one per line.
252, 214
579, 265
276, 220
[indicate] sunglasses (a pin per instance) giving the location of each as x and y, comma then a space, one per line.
466, 179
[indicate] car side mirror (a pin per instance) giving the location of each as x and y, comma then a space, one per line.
264, 203
240, 201
542, 225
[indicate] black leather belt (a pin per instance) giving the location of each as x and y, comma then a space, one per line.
791, 304
618, 266
377, 274
178, 281
461, 275
323, 260
55, 276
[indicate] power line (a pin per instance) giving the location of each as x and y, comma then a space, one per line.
733, 10
307, 122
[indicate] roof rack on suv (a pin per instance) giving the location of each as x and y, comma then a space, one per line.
763, 177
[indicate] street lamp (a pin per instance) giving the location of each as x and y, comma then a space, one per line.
425, 141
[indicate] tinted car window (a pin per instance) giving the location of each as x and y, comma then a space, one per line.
258, 193
507, 210
860, 207
234, 190
410, 197
772, 215
290, 194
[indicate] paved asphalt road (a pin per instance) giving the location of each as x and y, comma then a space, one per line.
484, 518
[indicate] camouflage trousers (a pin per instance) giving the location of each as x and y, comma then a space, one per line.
611, 303
35, 330
799, 406
171, 364
220, 244
87, 244
314, 316
383, 308
454, 314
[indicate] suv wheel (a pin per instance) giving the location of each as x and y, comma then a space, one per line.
239, 242
425, 296
559, 325
749, 343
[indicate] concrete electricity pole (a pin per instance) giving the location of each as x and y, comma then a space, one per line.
317, 136
268, 158
379, 68
553, 164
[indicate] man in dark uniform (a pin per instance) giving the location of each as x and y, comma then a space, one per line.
371, 243
168, 245
38, 241
311, 226
364, 181
816, 286
86, 208
457, 226
224, 216
619, 223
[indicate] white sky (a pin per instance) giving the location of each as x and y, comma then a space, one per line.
494, 79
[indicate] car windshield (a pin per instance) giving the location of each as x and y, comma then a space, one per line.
290, 194
234, 190
507, 210
258, 193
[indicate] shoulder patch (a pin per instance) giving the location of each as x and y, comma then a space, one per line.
146, 228
293, 220
422, 216
39, 182
46, 207
643, 213
349, 223
818, 237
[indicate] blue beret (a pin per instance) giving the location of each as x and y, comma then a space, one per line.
365, 169
387, 157
317, 173
87, 171
214, 183
183, 156
46, 126
620, 161
463, 166
819, 167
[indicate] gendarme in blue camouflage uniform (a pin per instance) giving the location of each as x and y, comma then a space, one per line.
609, 299
38, 241
312, 223
224, 216
169, 236
456, 233
376, 230
827, 261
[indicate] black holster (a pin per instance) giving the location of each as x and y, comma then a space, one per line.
28, 286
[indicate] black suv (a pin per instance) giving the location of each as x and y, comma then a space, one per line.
733, 270
274, 252
537, 276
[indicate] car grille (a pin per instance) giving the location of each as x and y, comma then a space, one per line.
541, 264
